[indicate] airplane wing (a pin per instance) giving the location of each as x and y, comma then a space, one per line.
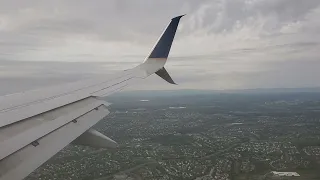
35, 125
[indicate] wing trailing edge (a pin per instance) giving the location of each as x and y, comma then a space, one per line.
94, 138
53, 131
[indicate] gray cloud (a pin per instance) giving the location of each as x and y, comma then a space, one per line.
221, 44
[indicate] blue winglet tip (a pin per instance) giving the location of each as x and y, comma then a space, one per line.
178, 17
162, 48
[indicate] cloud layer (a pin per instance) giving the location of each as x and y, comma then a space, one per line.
221, 44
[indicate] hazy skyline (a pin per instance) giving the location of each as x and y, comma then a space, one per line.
221, 44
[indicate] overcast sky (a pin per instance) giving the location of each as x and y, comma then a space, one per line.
221, 44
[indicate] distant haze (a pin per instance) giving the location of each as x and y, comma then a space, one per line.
220, 44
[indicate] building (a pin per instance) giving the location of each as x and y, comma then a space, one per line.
286, 174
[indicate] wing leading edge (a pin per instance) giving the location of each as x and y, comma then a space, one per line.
37, 124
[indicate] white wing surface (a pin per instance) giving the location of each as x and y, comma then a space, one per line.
35, 125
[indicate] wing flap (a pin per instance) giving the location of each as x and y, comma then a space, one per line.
18, 135
94, 138
22, 162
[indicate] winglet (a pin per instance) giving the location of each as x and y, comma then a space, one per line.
155, 62
163, 46
165, 75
